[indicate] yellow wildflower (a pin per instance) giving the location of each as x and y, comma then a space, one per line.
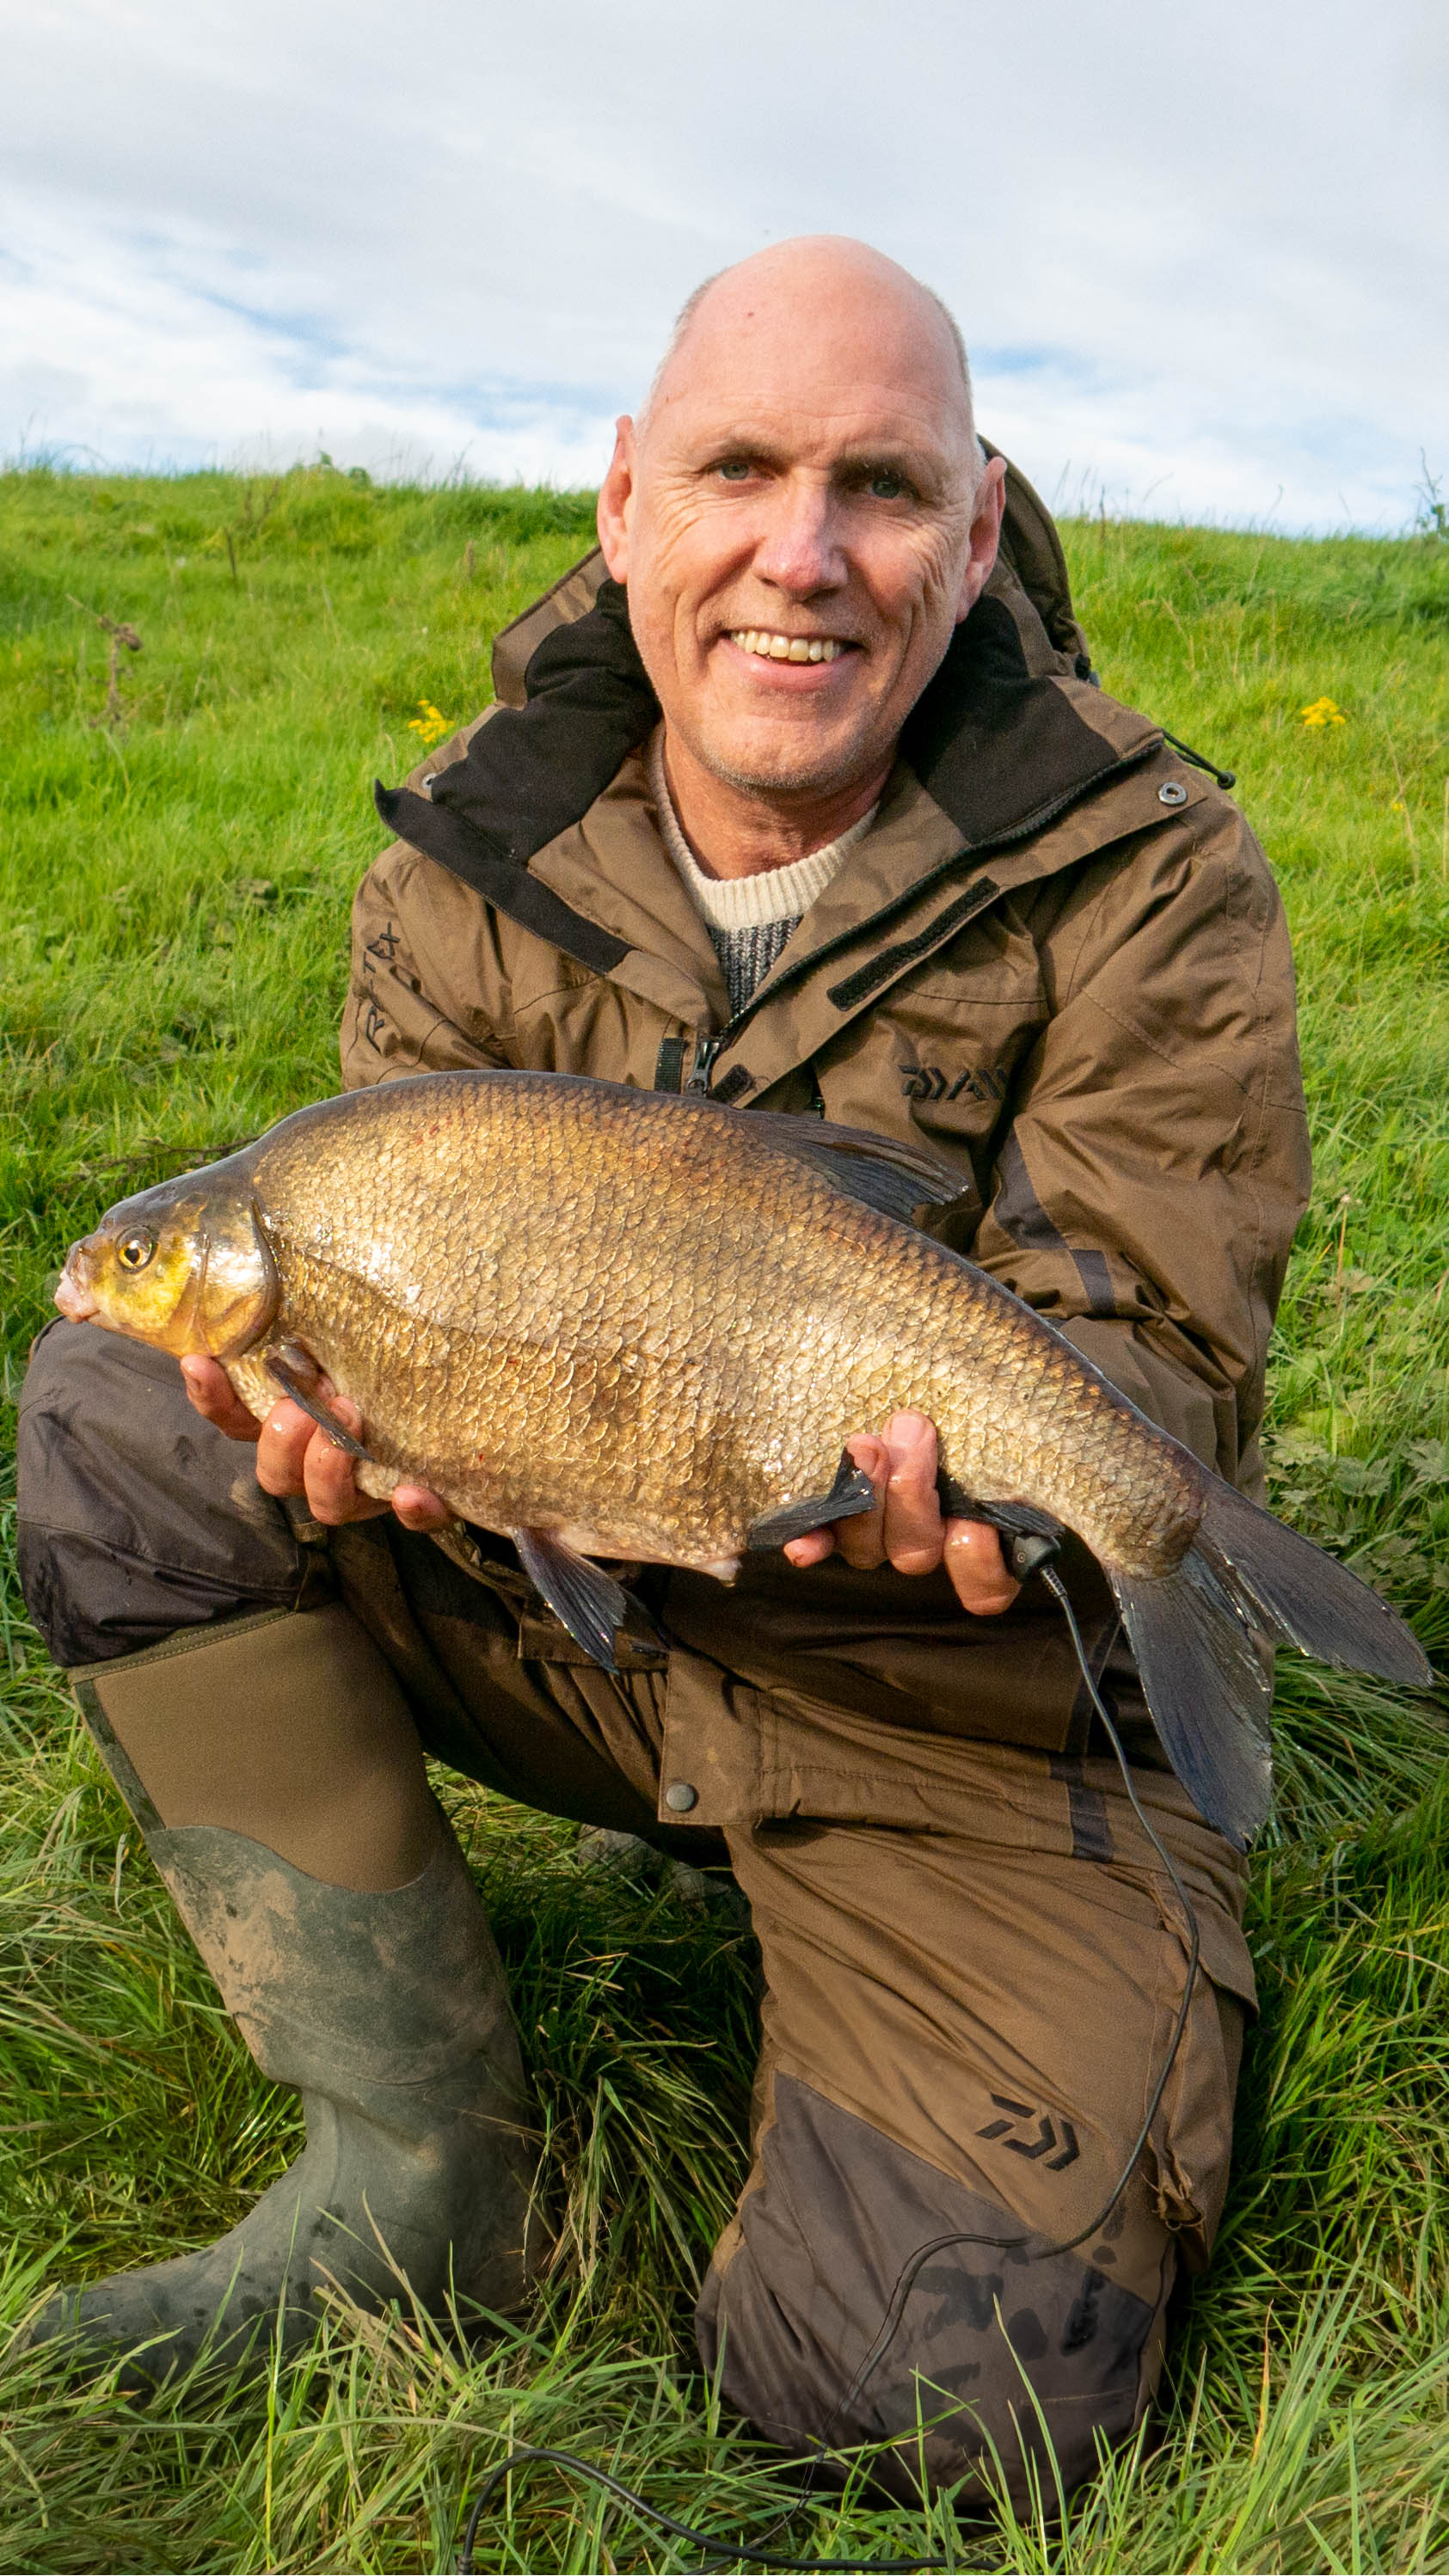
1323, 712
429, 724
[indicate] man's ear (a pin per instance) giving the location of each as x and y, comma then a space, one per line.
987, 514
616, 499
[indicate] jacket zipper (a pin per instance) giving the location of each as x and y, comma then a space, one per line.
706, 1049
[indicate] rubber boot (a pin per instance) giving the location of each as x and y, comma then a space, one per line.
386, 2008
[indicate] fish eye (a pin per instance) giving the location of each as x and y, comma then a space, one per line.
135, 1250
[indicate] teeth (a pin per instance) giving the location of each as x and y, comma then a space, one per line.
786, 648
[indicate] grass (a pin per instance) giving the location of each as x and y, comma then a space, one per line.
175, 891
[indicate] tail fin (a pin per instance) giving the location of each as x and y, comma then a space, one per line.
1201, 1637
1208, 1681
1304, 1597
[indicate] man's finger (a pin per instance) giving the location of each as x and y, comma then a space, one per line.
285, 1437
211, 1391
978, 1569
866, 1545
419, 1509
329, 1477
813, 1549
914, 1530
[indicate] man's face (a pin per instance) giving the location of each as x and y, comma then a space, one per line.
801, 521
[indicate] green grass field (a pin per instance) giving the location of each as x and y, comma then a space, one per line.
176, 886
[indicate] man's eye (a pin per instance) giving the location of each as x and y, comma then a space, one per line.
885, 486
734, 469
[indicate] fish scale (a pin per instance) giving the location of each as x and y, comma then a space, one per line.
607, 1322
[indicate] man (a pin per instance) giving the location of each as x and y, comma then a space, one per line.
812, 802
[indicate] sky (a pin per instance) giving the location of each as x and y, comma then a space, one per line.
1199, 248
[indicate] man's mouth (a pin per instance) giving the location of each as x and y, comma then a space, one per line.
787, 648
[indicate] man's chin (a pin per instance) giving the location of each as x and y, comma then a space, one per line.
786, 766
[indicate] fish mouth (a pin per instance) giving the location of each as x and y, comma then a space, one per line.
72, 1294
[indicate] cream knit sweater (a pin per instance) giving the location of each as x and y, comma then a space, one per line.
749, 919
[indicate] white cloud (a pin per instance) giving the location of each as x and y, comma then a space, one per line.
1201, 253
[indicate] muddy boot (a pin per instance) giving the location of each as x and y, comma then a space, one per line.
601, 1851
368, 1980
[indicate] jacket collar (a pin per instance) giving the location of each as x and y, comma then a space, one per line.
1003, 747
904, 892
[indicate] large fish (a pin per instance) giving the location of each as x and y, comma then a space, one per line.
617, 1323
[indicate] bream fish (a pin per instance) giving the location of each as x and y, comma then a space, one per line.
615, 1323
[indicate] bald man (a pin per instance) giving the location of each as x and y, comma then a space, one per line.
799, 793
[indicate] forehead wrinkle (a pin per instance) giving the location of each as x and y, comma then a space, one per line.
791, 433
902, 425
852, 452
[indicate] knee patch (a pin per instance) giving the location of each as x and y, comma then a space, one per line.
991, 2344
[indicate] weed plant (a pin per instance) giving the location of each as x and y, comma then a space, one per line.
182, 827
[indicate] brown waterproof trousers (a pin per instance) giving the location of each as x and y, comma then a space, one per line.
973, 1960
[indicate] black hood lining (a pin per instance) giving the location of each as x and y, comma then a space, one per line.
532, 771
994, 747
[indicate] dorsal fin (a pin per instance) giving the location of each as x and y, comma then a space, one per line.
894, 1179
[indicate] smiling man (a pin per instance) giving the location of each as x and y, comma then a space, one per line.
800, 792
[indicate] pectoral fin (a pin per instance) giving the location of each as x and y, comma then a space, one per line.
591, 1605
851, 1493
290, 1374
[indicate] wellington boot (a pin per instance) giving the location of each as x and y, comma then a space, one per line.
389, 2014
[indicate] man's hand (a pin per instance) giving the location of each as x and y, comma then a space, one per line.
907, 1526
295, 1456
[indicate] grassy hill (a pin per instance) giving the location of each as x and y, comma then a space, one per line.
176, 880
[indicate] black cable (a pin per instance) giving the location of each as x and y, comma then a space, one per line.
734, 2553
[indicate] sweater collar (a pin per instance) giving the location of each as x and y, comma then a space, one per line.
747, 903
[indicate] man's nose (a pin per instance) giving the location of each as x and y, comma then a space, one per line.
799, 549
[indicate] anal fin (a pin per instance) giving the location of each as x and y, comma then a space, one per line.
591, 1605
851, 1493
1030, 1538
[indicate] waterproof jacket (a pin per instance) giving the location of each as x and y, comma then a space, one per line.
1058, 959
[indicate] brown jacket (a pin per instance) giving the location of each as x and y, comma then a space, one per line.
1058, 957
